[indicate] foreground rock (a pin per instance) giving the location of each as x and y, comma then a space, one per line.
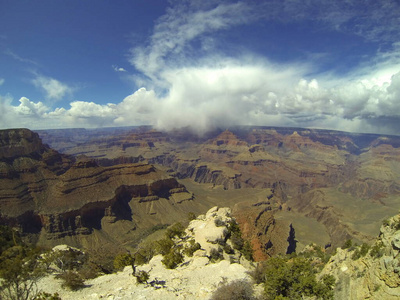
374, 276
196, 278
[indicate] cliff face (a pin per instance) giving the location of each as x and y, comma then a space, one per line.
42, 191
373, 276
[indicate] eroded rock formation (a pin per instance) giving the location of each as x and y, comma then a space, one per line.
374, 275
43, 191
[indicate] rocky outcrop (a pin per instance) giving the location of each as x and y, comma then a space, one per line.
197, 277
373, 276
268, 235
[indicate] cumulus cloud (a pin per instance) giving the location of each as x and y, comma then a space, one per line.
53, 89
203, 88
204, 98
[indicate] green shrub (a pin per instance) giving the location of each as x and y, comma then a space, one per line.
218, 222
258, 274
247, 251
20, 269
71, 280
376, 250
164, 246
172, 259
47, 296
146, 252
396, 226
237, 241
69, 259
236, 290
176, 230
192, 248
122, 260
347, 244
228, 249
90, 270
215, 255
142, 276
8, 238
294, 279
361, 251
191, 216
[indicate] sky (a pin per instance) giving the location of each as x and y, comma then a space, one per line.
200, 64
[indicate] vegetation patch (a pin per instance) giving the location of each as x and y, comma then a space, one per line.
235, 290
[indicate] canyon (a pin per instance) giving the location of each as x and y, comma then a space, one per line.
287, 187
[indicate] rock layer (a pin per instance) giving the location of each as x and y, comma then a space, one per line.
45, 192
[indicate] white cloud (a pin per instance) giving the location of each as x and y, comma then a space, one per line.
215, 90
29, 108
16, 57
234, 93
53, 89
118, 69
2, 80
182, 24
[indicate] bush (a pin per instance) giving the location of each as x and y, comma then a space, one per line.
47, 296
20, 269
237, 241
347, 244
192, 248
172, 259
164, 246
103, 258
89, 271
142, 276
191, 216
228, 249
236, 290
123, 260
377, 250
218, 222
70, 259
361, 251
247, 251
176, 230
71, 280
215, 255
295, 279
146, 252
8, 238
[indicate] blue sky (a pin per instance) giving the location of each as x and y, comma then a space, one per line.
93, 63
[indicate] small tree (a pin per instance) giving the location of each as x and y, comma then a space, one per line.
172, 259
176, 230
20, 269
294, 278
142, 276
72, 280
123, 260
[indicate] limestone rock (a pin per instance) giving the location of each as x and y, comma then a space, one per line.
196, 278
374, 276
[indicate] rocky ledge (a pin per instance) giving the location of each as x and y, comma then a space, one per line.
197, 277
369, 272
